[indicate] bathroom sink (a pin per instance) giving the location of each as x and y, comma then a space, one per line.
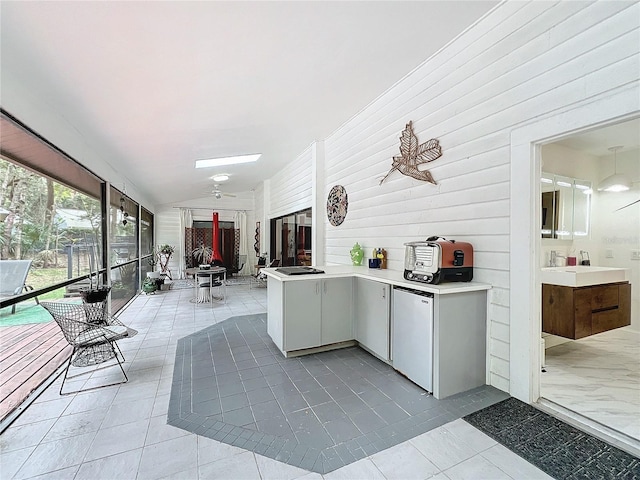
582, 275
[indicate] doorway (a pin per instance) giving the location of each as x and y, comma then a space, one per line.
597, 374
291, 238
525, 242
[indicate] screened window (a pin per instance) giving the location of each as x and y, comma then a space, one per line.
123, 228
146, 241
56, 227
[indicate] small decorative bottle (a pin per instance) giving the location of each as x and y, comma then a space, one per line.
381, 255
357, 254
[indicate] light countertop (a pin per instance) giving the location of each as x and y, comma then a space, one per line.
391, 277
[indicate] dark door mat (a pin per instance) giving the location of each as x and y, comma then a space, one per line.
558, 449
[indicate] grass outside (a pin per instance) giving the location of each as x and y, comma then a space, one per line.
28, 311
43, 277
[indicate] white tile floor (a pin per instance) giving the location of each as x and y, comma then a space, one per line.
121, 433
599, 378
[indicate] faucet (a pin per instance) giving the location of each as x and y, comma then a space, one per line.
554, 257
584, 258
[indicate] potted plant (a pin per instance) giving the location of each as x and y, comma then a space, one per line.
97, 293
153, 261
164, 255
149, 285
94, 294
202, 255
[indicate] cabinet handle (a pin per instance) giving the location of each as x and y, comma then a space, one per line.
317, 288
324, 284
384, 292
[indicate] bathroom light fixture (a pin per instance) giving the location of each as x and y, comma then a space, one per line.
223, 177
616, 182
586, 189
218, 162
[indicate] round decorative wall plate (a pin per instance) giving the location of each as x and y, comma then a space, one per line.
337, 204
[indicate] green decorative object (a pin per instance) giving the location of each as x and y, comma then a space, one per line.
357, 254
149, 285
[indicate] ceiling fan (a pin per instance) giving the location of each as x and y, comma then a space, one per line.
216, 192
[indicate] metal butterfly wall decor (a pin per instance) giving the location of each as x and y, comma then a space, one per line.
414, 154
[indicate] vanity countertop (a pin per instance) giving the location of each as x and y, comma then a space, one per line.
583, 275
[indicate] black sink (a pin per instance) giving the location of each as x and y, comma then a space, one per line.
298, 270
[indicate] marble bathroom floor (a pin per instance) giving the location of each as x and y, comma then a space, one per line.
598, 377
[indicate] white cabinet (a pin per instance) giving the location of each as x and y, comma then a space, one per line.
337, 310
313, 313
302, 314
327, 310
372, 312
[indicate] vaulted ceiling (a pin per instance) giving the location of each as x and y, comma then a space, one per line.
153, 86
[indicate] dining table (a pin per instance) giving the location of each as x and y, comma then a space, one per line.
202, 294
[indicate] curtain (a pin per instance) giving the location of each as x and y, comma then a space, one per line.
240, 224
186, 221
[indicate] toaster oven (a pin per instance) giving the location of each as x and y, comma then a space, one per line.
436, 260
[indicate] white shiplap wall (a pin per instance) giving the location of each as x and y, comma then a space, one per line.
290, 189
167, 228
523, 61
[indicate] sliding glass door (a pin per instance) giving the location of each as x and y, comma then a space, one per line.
291, 238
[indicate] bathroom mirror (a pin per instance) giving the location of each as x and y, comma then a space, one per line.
566, 204
581, 208
549, 205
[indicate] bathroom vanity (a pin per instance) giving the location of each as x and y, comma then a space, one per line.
580, 301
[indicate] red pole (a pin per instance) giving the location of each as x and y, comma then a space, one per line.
215, 251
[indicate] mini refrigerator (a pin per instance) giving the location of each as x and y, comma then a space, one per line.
412, 336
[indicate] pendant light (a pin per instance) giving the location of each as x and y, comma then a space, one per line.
616, 182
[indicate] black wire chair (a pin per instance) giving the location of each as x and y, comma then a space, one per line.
93, 334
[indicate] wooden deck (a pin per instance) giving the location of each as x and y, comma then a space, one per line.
29, 354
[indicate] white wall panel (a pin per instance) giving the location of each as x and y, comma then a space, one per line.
500, 349
291, 187
167, 226
524, 61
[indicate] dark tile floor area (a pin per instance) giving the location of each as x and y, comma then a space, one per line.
318, 412
556, 448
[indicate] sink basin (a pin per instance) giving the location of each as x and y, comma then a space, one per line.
582, 275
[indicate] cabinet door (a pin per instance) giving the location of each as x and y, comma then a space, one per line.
372, 316
612, 307
582, 312
337, 307
302, 305
275, 319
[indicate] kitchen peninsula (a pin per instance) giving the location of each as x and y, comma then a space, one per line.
352, 305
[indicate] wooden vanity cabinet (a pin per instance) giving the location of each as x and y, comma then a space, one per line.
577, 312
